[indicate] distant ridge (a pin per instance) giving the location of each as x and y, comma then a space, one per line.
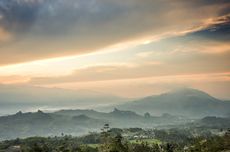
80, 122
185, 102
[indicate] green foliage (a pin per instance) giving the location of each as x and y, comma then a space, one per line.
213, 144
111, 141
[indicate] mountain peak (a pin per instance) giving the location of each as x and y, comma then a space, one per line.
39, 111
190, 92
116, 110
187, 90
185, 101
123, 113
19, 113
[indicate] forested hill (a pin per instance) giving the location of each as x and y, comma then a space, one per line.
185, 102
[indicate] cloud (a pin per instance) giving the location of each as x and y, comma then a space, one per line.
13, 79
18, 15
181, 64
4, 35
53, 28
216, 84
218, 29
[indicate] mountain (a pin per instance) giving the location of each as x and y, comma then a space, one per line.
115, 118
100, 115
124, 118
29, 98
46, 124
216, 122
185, 102
75, 122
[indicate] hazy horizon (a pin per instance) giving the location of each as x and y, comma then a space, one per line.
129, 49
15, 98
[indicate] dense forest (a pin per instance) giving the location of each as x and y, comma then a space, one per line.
118, 140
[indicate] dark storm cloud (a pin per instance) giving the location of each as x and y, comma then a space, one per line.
210, 2
217, 32
54, 15
18, 15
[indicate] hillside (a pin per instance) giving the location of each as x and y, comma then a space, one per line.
168, 109
45, 124
184, 102
75, 122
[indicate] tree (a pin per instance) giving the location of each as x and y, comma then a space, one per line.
117, 144
105, 138
147, 115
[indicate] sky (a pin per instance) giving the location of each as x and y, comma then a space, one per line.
128, 48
